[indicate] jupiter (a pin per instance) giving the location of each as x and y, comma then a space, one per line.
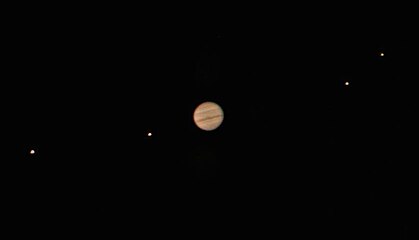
208, 116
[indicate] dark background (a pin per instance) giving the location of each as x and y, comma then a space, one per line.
299, 153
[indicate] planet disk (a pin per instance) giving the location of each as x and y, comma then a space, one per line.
208, 116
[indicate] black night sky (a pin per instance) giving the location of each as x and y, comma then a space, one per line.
317, 137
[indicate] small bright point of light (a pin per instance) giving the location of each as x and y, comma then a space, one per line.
149, 134
347, 83
382, 54
32, 152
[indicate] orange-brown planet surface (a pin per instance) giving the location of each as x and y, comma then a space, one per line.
208, 116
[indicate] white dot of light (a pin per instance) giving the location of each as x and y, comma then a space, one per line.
382, 54
347, 83
208, 116
32, 152
149, 134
